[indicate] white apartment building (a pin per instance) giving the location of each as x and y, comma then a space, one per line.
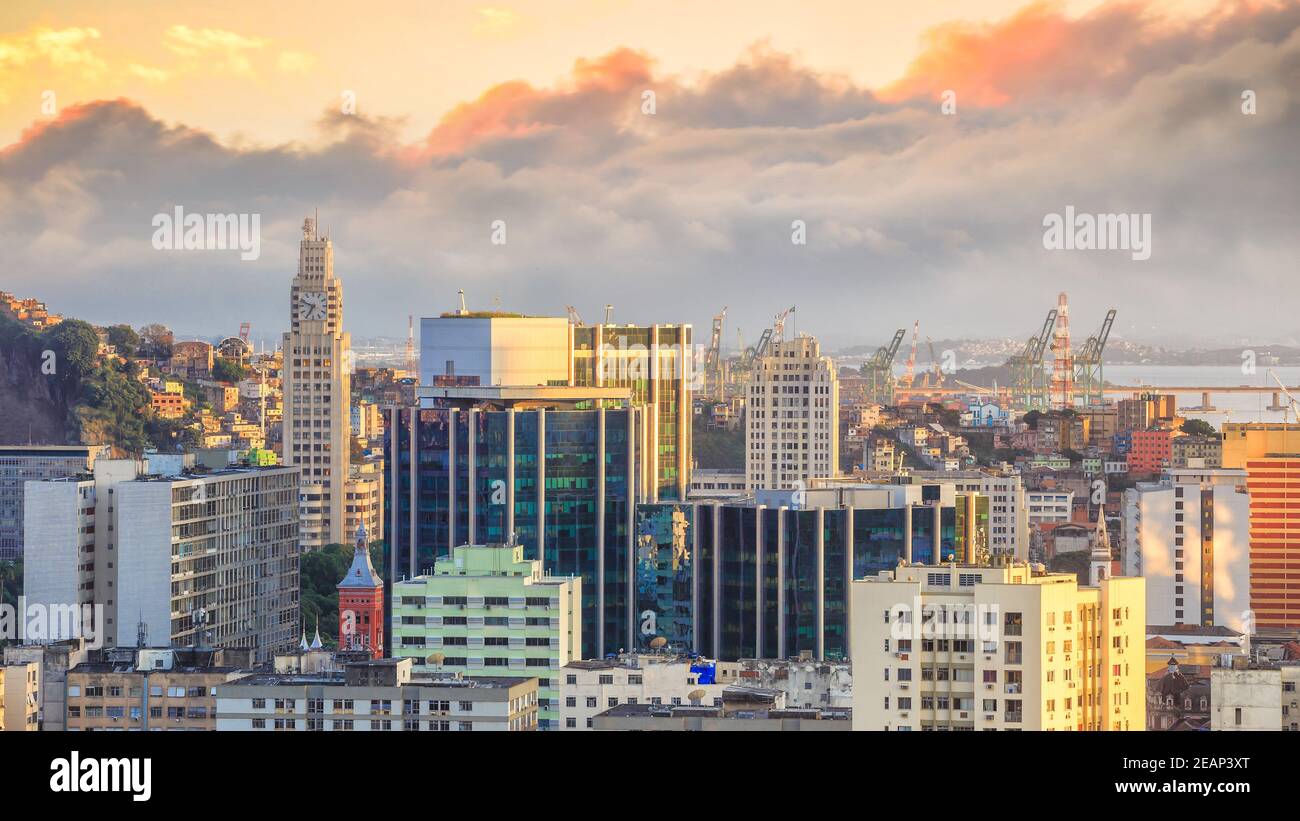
170, 554
792, 430
377, 696
317, 391
1046, 507
1188, 535
965, 647
588, 688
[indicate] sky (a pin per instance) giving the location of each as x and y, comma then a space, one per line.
869, 163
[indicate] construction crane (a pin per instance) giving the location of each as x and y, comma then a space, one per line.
1029, 384
909, 372
934, 364
713, 359
1292, 404
573, 315
1089, 380
879, 371
244, 329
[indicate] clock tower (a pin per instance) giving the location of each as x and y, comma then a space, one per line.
361, 603
317, 391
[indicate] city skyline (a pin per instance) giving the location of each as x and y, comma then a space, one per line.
748, 144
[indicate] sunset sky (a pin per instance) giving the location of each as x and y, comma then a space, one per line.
530, 112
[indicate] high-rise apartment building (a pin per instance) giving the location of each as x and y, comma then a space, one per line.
1188, 535
1270, 454
488, 611
317, 391
20, 464
180, 557
959, 647
792, 430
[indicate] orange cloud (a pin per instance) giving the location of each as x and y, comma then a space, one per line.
1040, 51
517, 109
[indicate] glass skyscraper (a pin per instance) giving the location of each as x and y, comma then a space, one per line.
559, 478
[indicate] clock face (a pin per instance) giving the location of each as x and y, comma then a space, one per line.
313, 305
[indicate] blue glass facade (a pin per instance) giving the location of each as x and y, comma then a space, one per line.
733, 581
561, 481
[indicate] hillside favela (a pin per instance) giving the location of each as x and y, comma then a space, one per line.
573, 368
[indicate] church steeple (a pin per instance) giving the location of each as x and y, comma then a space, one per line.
1099, 558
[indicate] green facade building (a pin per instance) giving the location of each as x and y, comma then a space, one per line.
488, 611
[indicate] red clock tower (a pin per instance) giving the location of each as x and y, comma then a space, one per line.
361, 603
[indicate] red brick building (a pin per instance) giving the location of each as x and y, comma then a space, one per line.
361, 603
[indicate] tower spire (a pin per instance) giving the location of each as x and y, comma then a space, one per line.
1099, 558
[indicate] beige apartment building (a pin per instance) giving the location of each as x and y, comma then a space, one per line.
20, 696
792, 433
317, 391
151, 689
1255, 696
964, 647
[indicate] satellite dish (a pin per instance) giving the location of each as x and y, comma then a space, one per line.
696, 696
658, 642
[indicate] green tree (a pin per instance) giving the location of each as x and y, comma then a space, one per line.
75, 345
319, 575
124, 338
227, 370
1199, 427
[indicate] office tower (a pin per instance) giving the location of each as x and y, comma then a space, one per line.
495, 349
1270, 455
654, 362
361, 604
552, 469
488, 611
957, 647
218, 547
1188, 535
317, 390
768, 577
1008, 509
792, 433
379, 695
20, 464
